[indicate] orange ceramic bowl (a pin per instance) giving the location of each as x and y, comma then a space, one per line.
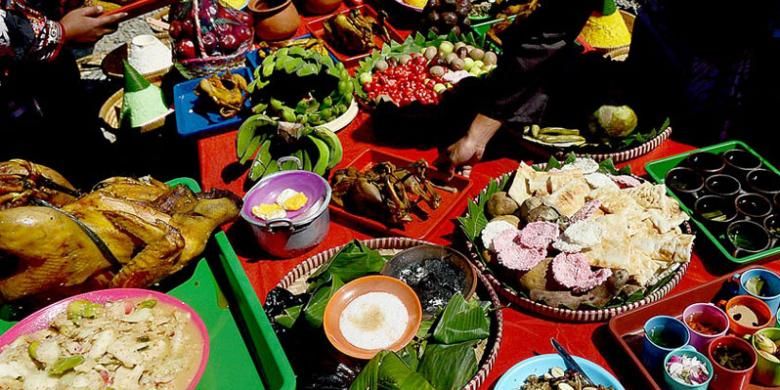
365, 285
756, 305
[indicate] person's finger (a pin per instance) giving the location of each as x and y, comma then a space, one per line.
90, 11
111, 19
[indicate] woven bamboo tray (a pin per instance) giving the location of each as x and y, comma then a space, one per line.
296, 279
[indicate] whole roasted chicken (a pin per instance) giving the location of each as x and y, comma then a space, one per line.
385, 192
124, 233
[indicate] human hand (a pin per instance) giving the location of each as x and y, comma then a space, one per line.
463, 153
86, 25
470, 148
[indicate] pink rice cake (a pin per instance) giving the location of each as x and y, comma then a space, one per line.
513, 255
572, 270
539, 235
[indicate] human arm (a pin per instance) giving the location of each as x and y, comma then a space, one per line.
471, 147
27, 35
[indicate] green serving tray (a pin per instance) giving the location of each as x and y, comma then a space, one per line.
659, 168
245, 352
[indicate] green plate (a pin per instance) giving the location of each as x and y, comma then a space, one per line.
483, 27
659, 168
245, 353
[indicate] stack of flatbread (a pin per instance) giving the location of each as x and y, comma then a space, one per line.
638, 228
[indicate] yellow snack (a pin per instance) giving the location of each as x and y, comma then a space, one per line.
268, 211
606, 31
416, 3
291, 200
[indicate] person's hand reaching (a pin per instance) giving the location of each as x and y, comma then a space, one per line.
463, 153
87, 25
470, 148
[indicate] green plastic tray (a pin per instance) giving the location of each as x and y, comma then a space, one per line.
659, 168
245, 352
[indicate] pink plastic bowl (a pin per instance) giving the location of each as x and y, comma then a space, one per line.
43, 317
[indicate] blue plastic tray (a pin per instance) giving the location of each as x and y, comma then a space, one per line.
190, 122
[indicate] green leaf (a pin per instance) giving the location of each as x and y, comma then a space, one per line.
368, 378
449, 367
473, 224
425, 326
395, 374
307, 70
315, 309
552, 163
353, 261
570, 158
608, 166
409, 356
290, 315
462, 321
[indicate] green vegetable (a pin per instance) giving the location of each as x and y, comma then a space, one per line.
147, 303
65, 364
290, 315
32, 349
83, 308
755, 285
315, 309
353, 261
614, 121
449, 367
462, 321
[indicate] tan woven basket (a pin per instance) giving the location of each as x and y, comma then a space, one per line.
563, 314
109, 113
302, 271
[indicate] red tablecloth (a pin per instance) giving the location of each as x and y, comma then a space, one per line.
525, 334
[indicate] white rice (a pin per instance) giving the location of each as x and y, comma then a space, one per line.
374, 320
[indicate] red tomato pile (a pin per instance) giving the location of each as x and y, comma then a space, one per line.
404, 83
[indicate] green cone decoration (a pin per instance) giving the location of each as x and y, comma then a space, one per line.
143, 102
609, 7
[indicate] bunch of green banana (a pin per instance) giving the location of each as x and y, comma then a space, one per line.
264, 141
300, 62
555, 135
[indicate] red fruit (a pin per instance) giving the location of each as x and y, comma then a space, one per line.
244, 17
175, 29
209, 41
224, 13
228, 42
185, 49
188, 28
242, 33
223, 29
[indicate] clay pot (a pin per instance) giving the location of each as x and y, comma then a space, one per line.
320, 7
274, 23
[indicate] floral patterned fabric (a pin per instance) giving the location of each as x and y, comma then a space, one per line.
26, 34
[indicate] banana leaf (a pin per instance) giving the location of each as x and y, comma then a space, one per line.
462, 321
369, 375
290, 315
353, 261
315, 309
448, 367
395, 374
410, 356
